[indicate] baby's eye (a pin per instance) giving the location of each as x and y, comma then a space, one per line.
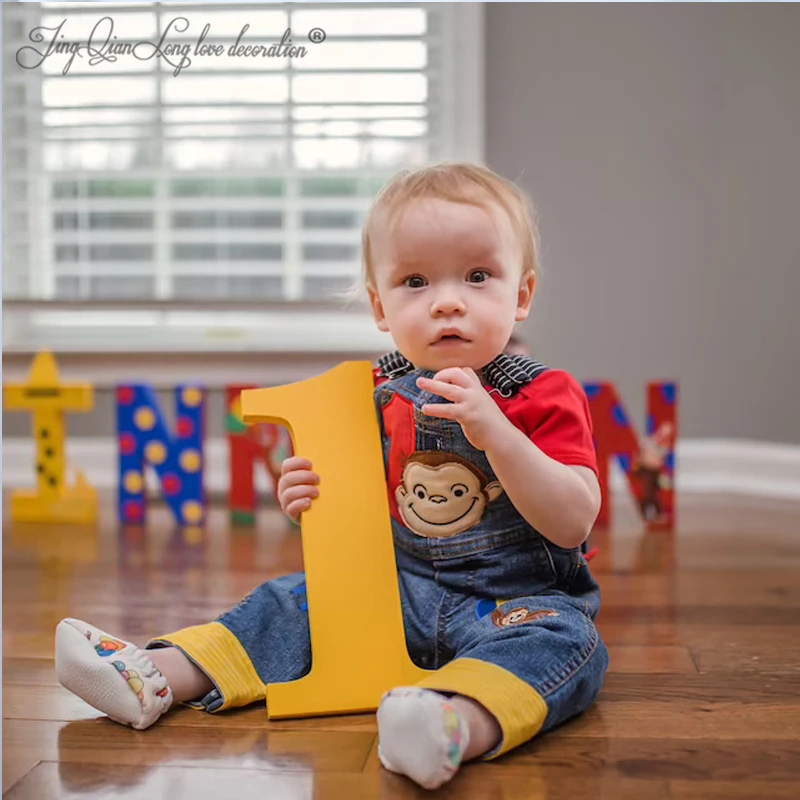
414, 282
478, 276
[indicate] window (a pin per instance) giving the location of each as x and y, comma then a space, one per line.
146, 185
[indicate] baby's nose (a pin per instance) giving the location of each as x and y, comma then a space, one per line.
448, 305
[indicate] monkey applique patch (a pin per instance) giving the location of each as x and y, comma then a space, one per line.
520, 615
442, 494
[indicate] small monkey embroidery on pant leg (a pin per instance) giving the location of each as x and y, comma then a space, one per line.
520, 615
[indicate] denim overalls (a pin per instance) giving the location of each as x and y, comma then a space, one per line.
503, 615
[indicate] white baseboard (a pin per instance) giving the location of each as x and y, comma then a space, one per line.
703, 465
738, 466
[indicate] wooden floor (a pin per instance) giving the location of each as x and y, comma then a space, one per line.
702, 699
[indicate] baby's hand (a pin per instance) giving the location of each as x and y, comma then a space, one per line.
470, 405
296, 486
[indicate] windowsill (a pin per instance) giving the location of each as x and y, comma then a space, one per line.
285, 332
215, 346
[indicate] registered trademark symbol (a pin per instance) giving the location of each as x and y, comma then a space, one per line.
317, 35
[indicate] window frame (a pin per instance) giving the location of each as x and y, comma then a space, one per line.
30, 325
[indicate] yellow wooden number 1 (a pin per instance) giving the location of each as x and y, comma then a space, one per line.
358, 644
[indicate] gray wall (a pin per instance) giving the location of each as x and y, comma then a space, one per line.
661, 144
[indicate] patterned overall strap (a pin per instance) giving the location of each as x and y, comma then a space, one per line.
394, 365
507, 374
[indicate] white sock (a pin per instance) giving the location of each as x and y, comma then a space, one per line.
421, 734
111, 675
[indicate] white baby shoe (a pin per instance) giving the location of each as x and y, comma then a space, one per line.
421, 735
113, 676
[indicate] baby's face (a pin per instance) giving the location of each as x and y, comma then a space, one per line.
448, 284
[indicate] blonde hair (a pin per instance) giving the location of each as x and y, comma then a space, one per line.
456, 183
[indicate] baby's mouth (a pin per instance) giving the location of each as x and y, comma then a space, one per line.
451, 338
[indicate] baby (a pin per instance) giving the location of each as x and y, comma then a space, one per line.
492, 482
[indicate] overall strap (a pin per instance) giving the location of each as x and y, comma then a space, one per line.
506, 374
394, 365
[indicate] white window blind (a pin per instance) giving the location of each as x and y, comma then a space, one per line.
240, 179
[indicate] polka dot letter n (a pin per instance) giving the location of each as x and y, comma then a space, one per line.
146, 442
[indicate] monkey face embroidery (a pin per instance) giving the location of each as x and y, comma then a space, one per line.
442, 494
519, 615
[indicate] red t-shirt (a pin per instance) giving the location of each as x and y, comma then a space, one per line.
553, 411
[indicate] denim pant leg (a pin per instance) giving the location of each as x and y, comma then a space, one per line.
421, 599
551, 661
264, 639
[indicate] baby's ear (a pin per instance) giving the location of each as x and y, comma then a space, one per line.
377, 309
527, 288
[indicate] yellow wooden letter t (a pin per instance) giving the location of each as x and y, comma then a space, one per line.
358, 644
47, 399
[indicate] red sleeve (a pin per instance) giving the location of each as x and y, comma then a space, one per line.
554, 412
